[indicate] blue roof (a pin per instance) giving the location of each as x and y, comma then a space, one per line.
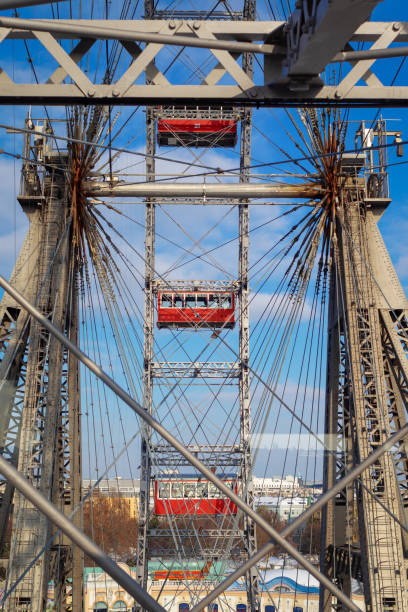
295, 580
290, 584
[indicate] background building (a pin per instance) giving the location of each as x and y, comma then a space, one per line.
125, 489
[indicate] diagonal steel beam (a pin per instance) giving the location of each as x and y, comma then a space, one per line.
302, 518
16, 4
104, 32
78, 537
162, 431
383, 53
361, 67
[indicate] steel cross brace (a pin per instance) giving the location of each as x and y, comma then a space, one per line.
274, 85
197, 369
162, 431
59, 519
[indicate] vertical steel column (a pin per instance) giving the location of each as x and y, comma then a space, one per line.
14, 331
395, 351
381, 545
69, 558
252, 582
145, 463
40, 438
338, 516
36, 421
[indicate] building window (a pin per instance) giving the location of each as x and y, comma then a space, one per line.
270, 608
297, 609
241, 608
120, 605
213, 607
183, 607
101, 605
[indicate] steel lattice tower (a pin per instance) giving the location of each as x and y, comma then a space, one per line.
366, 401
221, 455
41, 423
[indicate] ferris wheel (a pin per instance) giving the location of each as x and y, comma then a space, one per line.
224, 267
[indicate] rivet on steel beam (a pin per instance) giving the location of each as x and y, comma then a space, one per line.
115, 92
396, 26
172, 25
337, 94
196, 25
91, 92
253, 93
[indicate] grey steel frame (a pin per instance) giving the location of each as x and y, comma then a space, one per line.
153, 424
290, 75
78, 537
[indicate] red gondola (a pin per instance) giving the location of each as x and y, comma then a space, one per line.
181, 575
180, 494
197, 132
214, 309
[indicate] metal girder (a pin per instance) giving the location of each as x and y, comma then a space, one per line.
15, 4
197, 369
275, 85
213, 190
195, 285
204, 201
148, 350
47, 510
40, 396
214, 455
206, 533
204, 39
166, 435
363, 405
318, 30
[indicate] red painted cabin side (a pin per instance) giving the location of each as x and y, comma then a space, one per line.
180, 575
213, 309
197, 132
197, 497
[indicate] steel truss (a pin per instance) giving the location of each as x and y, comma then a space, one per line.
366, 400
195, 285
197, 370
190, 542
215, 455
393, 325
40, 420
47, 509
295, 54
371, 337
